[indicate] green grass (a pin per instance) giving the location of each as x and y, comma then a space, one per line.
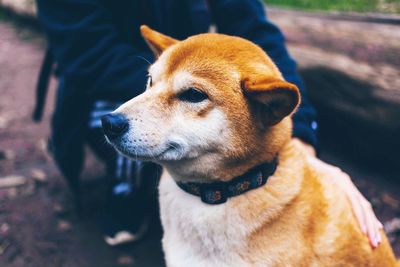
383, 6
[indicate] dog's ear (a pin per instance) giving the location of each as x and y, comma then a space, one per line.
274, 99
157, 42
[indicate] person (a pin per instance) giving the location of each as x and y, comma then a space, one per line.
102, 61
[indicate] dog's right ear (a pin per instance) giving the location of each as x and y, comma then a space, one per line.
275, 99
157, 42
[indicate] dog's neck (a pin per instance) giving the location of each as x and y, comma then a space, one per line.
261, 205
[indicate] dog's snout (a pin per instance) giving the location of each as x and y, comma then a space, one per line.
114, 125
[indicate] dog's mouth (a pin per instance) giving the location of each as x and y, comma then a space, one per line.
171, 151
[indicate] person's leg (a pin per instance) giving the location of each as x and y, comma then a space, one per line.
132, 190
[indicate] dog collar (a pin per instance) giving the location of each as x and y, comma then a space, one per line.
219, 192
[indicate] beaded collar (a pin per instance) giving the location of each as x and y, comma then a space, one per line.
219, 192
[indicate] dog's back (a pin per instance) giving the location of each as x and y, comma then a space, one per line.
341, 237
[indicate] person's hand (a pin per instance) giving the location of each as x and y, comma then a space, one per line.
362, 209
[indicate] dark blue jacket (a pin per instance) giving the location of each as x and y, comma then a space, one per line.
99, 54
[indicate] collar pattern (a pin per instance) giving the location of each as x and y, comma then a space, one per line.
219, 192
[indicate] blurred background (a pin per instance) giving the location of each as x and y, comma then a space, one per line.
349, 56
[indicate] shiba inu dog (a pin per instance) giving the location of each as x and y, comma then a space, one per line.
236, 190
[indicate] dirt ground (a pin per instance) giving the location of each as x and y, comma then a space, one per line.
38, 225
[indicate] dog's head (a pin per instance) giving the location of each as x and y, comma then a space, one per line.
214, 106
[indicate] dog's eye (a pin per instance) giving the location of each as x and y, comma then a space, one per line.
192, 95
149, 81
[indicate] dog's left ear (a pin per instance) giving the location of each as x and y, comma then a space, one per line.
274, 99
157, 42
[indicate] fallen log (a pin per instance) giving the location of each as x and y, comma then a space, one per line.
358, 116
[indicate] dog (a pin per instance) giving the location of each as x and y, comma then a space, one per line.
236, 190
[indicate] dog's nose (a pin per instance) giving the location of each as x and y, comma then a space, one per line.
114, 125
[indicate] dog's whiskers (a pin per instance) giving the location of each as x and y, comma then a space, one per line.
146, 60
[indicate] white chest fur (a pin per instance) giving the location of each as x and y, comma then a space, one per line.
198, 234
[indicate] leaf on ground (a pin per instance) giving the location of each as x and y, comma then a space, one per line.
12, 181
4, 228
392, 226
39, 176
390, 201
63, 226
125, 260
